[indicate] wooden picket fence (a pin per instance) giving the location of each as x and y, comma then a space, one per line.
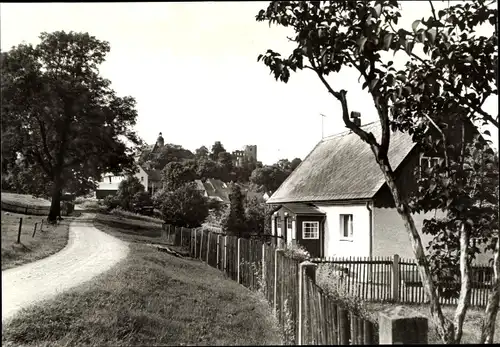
397, 280
305, 312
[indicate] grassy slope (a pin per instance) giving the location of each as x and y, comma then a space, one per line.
130, 230
53, 239
24, 199
150, 298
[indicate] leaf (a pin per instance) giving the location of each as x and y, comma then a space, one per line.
415, 25
373, 83
361, 43
409, 46
431, 35
387, 41
378, 10
259, 57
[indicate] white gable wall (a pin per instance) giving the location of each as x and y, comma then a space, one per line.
390, 236
335, 246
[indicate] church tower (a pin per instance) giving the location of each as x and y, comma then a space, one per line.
160, 142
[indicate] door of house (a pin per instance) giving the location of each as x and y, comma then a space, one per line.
310, 235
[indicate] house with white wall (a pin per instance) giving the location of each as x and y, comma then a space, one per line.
110, 182
336, 202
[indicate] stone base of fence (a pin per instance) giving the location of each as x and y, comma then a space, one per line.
401, 325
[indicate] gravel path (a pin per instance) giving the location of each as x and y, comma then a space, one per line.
89, 252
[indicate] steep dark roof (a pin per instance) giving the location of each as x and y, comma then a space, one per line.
341, 167
299, 208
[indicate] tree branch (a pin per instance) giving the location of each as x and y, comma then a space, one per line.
341, 96
433, 10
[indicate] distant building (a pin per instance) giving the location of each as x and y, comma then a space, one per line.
110, 183
248, 153
150, 179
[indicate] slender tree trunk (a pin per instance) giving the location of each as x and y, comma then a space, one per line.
55, 205
488, 329
444, 327
464, 299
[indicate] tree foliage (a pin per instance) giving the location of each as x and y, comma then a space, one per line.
235, 223
63, 118
183, 207
131, 195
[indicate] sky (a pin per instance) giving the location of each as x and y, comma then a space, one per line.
192, 68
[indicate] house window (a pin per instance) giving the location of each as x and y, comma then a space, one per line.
346, 231
310, 230
142, 178
428, 162
289, 223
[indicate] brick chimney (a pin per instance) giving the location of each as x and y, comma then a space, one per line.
356, 118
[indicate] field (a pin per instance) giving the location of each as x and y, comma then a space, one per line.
150, 298
52, 239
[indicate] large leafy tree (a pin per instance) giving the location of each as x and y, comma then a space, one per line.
334, 35
235, 222
62, 116
176, 174
217, 148
158, 159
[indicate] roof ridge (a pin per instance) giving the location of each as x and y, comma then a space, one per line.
345, 132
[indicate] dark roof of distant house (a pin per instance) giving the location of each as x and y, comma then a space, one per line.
216, 189
299, 208
341, 167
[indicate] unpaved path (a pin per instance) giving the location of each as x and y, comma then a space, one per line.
89, 252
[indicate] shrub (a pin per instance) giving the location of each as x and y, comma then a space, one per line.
297, 252
183, 207
330, 280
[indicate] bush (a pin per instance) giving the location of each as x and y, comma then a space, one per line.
110, 202
297, 252
183, 207
328, 278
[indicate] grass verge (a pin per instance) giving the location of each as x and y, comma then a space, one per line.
52, 239
150, 298
130, 230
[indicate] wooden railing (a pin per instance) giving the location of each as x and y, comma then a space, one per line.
305, 312
395, 279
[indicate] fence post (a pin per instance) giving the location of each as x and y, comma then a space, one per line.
201, 244
276, 276
344, 326
396, 281
225, 254
402, 325
182, 232
218, 251
238, 248
19, 231
303, 268
194, 249
263, 268
208, 244
34, 230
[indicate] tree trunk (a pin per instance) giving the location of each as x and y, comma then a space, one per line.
488, 329
464, 299
55, 205
444, 327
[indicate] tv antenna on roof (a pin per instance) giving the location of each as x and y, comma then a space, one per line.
322, 125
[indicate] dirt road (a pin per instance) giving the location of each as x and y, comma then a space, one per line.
89, 252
